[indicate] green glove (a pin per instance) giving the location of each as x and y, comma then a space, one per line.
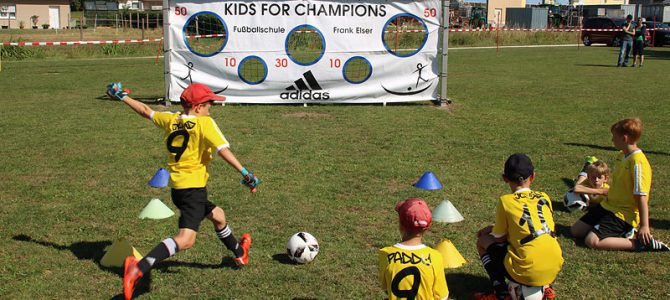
116, 91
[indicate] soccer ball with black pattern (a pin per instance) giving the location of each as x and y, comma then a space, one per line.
302, 247
574, 201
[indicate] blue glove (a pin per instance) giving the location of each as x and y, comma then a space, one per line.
249, 179
116, 91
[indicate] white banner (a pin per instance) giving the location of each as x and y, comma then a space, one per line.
305, 51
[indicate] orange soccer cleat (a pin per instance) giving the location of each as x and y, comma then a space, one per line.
131, 273
245, 243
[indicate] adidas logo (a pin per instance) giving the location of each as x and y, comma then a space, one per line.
304, 89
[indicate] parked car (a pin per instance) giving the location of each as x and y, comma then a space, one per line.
610, 36
660, 36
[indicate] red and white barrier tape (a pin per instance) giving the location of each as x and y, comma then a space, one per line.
490, 29
79, 42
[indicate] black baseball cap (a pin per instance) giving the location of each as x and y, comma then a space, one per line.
518, 167
629, 17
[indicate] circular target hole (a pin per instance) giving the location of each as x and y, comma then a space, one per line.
252, 70
404, 35
305, 45
205, 33
357, 70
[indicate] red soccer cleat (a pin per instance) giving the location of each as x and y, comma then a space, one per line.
131, 273
549, 293
489, 296
245, 243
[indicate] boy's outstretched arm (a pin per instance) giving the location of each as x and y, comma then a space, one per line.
230, 158
249, 179
587, 190
644, 232
116, 91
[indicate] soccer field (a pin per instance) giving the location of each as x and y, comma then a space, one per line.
74, 171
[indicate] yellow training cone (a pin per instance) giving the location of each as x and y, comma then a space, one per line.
452, 258
117, 253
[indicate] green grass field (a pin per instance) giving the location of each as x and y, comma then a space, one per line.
74, 171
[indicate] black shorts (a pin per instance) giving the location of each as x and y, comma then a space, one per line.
605, 224
193, 205
638, 47
497, 253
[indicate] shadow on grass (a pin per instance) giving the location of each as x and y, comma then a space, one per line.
559, 205
563, 231
283, 258
610, 148
463, 286
596, 65
651, 53
147, 100
569, 183
659, 223
93, 251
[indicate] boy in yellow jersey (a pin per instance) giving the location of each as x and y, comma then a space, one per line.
410, 269
595, 185
521, 246
609, 226
190, 137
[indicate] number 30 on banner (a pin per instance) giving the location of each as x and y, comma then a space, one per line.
180, 11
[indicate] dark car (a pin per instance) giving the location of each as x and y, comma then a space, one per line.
605, 30
660, 35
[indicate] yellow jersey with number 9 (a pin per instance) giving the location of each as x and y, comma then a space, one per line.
190, 141
412, 272
534, 256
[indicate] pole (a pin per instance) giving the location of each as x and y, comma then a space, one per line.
166, 49
95, 22
81, 28
142, 28
397, 28
498, 34
444, 51
653, 35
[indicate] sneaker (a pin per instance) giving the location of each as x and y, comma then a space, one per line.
549, 293
624, 65
131, 273
490, 296
245, 243
653, 246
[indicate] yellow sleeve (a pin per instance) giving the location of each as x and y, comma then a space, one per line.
440, 288
213, 135
500, 227
162, 119
382, 263
641, 178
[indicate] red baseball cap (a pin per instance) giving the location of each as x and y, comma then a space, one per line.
198, 93
414, 213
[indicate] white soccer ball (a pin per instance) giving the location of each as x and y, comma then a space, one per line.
302, 247
522, 292
574, 201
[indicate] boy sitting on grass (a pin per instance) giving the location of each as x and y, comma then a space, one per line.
521, 245
595, 185
610, 225
410, 269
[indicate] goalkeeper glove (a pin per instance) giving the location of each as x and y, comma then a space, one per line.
116, 91
249, 179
